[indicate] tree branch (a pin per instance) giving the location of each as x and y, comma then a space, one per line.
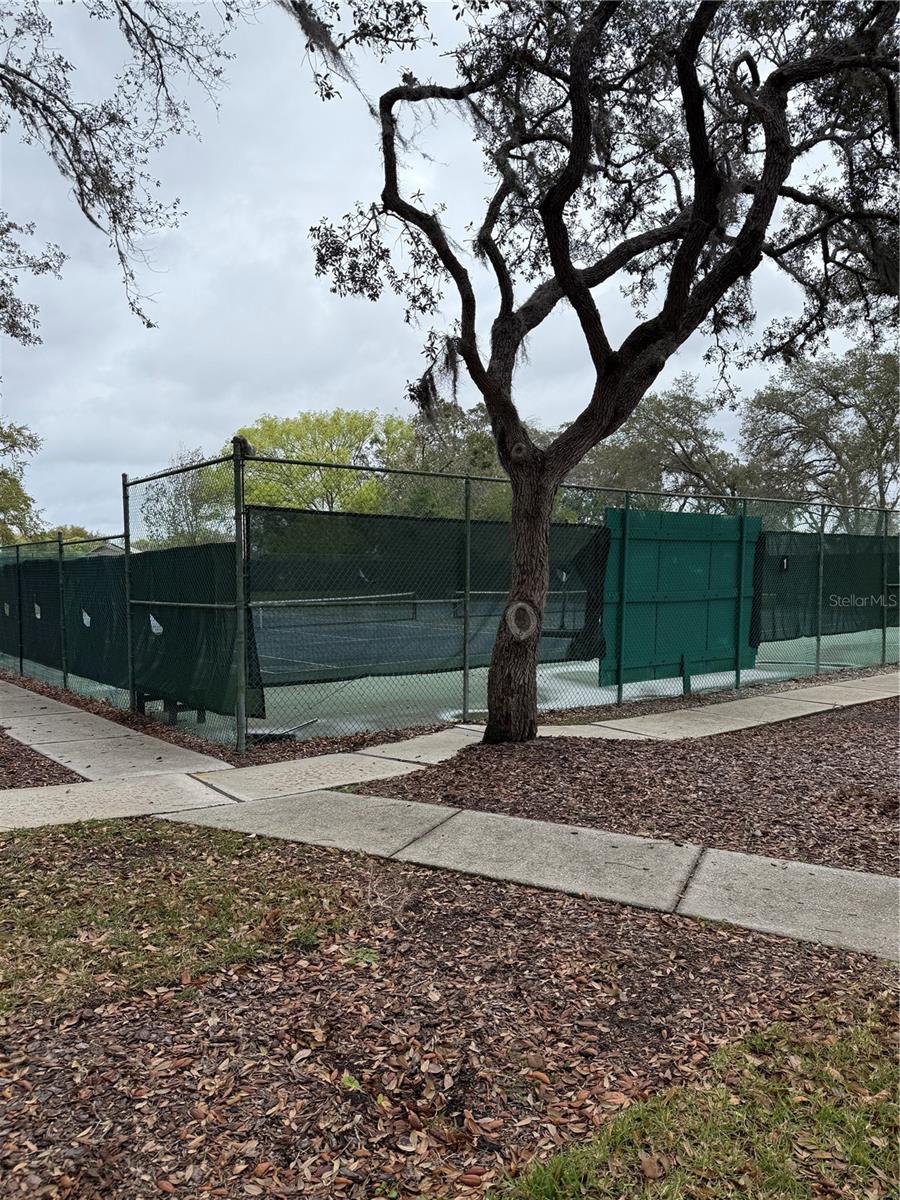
425, 221
552, 206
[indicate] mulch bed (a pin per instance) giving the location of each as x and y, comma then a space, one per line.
456, 1028
821, 789
20, 766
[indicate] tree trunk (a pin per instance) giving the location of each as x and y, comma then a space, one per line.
512, 678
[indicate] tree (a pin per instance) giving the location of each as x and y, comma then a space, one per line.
448, 440
71, 533
825, 430
354, 438
19, 519
673, 147
670, 444
104, 148
191, 505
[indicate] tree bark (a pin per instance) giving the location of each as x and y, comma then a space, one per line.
512, 677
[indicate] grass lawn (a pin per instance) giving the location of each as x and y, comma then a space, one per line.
103, 908
194, 1012
784, 1114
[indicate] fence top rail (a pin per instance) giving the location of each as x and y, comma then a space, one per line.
584, 487
24, 545
206, 462
112, 537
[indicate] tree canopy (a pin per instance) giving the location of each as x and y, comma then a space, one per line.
825, 429
675, 146
19, 517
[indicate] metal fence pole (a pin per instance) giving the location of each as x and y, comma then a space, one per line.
623, 600
129, 629
63, 657
19, 608
240, 600
467, 588
820, 574
739, 616
884, 591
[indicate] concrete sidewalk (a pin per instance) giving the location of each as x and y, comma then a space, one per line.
90, 745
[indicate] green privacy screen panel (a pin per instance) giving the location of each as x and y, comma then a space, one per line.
182, 622
94, 602
39, 591
680, 582
344, 595
183, 626
858, 584
9, 604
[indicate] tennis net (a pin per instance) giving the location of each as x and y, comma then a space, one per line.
564, 609
334, 610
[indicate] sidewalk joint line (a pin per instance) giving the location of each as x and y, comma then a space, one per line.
390, 758
690, 875
212, 787
427, 833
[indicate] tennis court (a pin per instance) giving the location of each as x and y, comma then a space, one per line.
315, 640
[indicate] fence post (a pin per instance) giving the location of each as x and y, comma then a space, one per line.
63, 658
739, 621
820, 575
884, 590
623, 600
19, 608
240, 600
129, 630
467, 588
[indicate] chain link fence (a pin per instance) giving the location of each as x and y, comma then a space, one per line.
252, 598
62, 614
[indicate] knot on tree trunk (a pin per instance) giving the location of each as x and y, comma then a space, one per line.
521, 620
518, 452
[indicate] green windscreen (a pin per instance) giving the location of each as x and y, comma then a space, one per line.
342, 595
859, 584
183, 628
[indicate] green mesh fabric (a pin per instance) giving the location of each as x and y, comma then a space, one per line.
386, 595
859, 584
181, 653
183, 641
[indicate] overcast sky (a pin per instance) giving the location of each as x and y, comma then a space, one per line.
244, 327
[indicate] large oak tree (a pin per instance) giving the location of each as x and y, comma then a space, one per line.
674, 147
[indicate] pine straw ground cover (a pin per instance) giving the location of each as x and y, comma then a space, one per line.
821, 789
203, 1014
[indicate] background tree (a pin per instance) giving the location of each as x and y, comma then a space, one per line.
674, 147
19, 518
825, 430
188, 508
70, 533
451, 440
670, 444
354, 438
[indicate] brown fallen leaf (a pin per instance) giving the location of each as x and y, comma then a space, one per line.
654, 1166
